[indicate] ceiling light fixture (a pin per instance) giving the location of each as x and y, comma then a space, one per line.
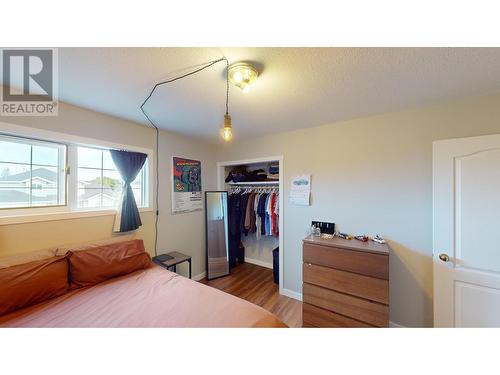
242, 75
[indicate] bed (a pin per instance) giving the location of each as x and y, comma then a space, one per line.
150, 297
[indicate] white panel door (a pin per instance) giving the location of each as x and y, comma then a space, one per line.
466, 232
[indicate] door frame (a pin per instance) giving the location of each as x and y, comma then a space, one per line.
220, 186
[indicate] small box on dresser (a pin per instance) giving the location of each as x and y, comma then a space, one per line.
345, 283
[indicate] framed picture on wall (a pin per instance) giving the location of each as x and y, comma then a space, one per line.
186, 185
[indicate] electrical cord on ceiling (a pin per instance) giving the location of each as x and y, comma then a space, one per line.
207, 65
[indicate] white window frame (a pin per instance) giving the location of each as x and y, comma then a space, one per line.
73, 179
70, 210
62, 164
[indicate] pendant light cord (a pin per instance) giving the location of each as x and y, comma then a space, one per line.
227, 86
207, 65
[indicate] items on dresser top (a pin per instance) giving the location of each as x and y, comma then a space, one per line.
345, 283
324, 226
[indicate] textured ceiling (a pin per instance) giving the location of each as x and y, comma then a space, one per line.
298, 87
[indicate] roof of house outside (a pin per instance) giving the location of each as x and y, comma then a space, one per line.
44, 173
92, 188
89, 193
19, 196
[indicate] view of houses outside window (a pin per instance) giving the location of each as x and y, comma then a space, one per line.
99, 183
32, 174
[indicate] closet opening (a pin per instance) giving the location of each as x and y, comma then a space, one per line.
256, 187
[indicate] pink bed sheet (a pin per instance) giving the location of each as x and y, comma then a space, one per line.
153, 297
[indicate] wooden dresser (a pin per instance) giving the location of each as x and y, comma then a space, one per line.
346, 283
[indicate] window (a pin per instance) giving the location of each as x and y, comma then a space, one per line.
32, 173
100, 184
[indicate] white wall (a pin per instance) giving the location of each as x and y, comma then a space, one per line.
373, 175
260, 251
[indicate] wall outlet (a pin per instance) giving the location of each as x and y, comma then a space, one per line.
324, 226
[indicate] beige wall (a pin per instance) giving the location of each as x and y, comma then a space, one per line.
81, 122
373, 175
50, 234
184, 232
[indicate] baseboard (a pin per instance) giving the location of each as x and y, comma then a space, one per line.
259, 263
291, 294
395, 325
199, 277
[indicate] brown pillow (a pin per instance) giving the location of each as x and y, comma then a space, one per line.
98, 264
27, 284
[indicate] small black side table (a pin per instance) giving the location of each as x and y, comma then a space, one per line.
172, 260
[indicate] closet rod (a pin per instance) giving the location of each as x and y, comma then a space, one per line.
241, 187
254, 183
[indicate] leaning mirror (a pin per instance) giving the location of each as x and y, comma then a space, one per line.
217, 247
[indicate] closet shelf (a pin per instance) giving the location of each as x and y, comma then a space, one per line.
263, 183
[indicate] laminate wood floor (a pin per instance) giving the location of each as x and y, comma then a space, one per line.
255, 284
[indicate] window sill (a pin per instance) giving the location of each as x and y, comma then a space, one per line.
41, 217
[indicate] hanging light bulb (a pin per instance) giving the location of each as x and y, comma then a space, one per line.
227, 131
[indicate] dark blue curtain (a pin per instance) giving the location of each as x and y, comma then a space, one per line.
129, 164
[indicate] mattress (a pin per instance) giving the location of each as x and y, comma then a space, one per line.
153, 297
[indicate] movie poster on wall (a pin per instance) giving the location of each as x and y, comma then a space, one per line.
186, 185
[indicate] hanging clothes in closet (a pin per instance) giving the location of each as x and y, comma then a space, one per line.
252, 211
234, 237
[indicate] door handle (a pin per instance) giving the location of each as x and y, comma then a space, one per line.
444, 257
